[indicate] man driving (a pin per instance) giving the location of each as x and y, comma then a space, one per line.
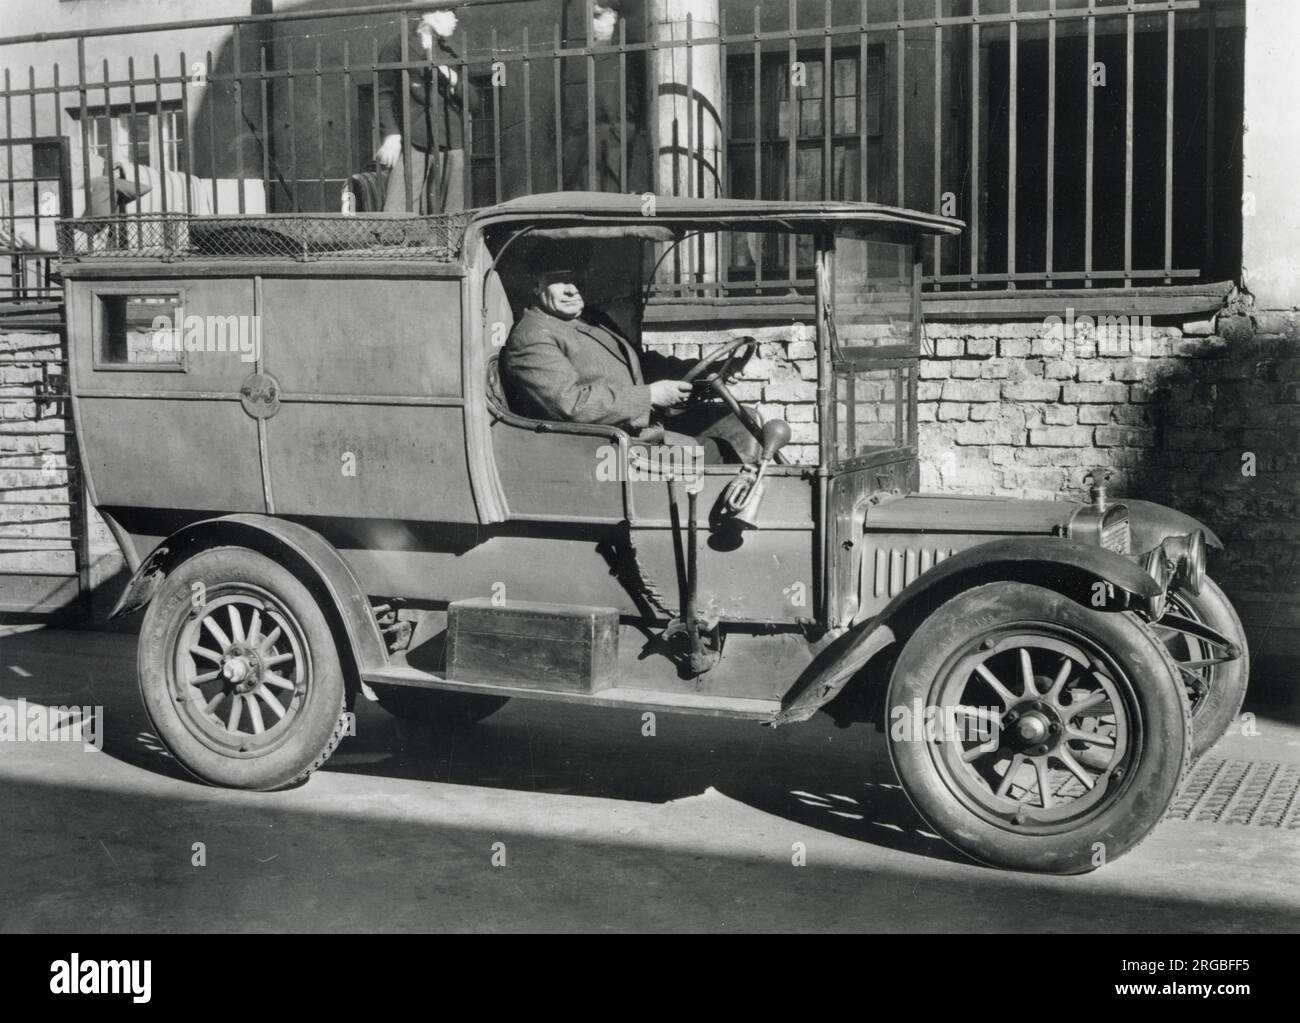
565, 361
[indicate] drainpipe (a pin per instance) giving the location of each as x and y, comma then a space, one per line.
685, 113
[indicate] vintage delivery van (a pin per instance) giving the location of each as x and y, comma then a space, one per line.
299, 431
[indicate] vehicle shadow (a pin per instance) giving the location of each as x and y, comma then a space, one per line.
815, 775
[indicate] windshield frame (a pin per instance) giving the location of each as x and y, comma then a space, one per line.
838, 359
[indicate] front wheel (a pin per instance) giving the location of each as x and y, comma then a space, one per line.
1035, 734
239, 671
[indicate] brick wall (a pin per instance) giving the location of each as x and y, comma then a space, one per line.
1202, 421
37, 524
33, 466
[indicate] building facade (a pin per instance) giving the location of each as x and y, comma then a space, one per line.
1124, 295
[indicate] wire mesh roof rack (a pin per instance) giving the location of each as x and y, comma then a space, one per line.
299, 236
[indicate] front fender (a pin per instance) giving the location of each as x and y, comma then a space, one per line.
1149, 523
1070, 567
303, 551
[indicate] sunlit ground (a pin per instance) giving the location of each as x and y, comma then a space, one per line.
554, 817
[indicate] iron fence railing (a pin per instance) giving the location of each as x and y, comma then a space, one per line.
1085, 142
28, 275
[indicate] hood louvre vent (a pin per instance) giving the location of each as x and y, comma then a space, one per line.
899, 567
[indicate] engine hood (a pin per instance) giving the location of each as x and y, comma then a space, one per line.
962, 514
1005, 516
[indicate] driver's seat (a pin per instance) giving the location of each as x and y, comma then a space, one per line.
496, 391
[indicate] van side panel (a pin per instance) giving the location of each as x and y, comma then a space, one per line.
367, 369
371, 422
169, 433
370, 461
192, 453
379, 337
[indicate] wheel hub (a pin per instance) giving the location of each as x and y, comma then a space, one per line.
242, 668
1033, 727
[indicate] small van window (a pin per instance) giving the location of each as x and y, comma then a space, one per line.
139, 330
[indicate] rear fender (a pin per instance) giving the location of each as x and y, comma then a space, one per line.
1092, 576
303, 551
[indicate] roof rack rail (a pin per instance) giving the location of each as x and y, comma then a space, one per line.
303, 237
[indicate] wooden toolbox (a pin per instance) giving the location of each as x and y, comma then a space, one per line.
554, 647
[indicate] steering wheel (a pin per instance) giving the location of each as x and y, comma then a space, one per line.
728, 360
731, 358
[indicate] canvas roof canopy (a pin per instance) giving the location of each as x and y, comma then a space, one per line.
578, 215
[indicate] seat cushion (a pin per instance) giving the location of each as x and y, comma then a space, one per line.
496, 390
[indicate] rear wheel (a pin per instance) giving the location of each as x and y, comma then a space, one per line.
1051, 737
1216, 683
239, 671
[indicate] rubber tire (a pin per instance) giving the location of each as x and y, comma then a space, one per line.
321, 723
1216, 713
439, 707
1162, 704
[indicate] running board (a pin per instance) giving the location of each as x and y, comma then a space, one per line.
648, 699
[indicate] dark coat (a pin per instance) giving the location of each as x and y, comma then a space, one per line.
578, 371
433, 125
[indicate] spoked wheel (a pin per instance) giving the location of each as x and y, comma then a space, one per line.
1053, 736
1053, 733
246, 657
1215, 680
239, 671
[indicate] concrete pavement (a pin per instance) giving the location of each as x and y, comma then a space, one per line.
547, 817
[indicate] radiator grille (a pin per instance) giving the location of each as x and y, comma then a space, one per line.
1115, 533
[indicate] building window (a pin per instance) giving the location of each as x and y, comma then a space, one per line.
793, 102
483, 147
787, 106
1141, 182
1206, 157
151, 138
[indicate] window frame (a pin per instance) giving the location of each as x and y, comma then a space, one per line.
157, 145
904, 360
99, 329
778, 141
